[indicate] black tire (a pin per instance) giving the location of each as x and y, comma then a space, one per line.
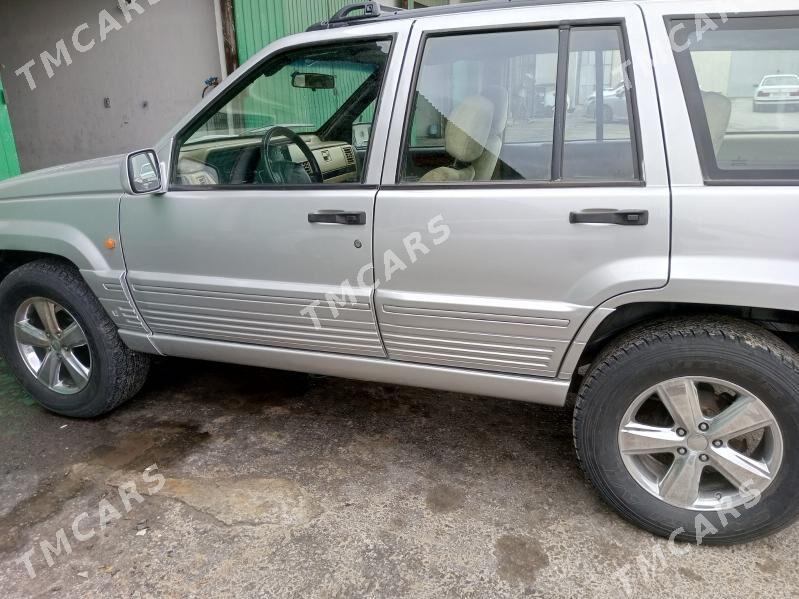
117, 373
717, 347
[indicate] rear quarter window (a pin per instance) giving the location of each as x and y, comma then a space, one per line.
740, 76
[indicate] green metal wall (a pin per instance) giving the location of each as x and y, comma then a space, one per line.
9, 164
260, 22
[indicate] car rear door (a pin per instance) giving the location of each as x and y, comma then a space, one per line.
499, 274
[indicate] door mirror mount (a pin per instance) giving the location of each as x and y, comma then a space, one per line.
144, 173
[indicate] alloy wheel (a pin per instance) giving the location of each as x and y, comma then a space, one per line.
53, 345
701, 443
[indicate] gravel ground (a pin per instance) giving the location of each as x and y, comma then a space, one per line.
272, 484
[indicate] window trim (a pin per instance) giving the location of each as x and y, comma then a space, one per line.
561, 105
712, 175
632, 102
244, 81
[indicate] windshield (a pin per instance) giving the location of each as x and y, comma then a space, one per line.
301, 91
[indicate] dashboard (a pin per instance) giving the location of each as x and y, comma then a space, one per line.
239, 161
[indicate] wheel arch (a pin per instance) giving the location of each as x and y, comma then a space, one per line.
606, 324
54, 239
12, 259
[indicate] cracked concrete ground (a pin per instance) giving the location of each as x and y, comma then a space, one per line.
273, 484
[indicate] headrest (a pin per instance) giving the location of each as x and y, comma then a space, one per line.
468, 128
718, 109
501, 101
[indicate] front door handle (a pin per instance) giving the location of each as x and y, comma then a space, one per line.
337, 217
611, 217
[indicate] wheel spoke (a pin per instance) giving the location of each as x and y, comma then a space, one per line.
78, 372
27, 334
46, 311
637, 438
681, 482
681, 398
740, 470
744, 416
73, 337
50, 369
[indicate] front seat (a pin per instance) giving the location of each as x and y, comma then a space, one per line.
718, 109
486, 164
465, 139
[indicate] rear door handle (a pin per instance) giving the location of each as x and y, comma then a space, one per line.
337, 217
630, 218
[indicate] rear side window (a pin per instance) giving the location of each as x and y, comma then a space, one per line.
538, 105
740, 76
598, 137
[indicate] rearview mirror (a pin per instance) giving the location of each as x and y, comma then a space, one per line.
313, 81
144, 173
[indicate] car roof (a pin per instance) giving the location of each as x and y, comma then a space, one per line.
380, 13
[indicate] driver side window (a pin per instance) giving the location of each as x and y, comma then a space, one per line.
302, 118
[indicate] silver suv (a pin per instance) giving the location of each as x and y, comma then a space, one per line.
389, 197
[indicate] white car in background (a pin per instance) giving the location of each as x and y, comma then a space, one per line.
778, 91
614, 104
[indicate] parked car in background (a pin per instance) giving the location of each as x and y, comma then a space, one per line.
645, 273
777, 92
614, 104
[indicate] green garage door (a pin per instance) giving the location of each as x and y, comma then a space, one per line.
9, 165
258, 23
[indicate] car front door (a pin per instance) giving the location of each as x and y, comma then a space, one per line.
253, 244
502, 222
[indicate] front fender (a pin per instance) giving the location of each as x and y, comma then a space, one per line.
76, 229
55, 238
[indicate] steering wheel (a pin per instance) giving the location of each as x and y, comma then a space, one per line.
287, 171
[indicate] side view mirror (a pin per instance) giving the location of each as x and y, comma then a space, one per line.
313, 81
143, 173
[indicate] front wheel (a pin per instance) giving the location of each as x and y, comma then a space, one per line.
690, 429
61, 345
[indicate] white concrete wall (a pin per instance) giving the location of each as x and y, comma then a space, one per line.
151, 70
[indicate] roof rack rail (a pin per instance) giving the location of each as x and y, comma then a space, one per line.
365, 10
373, 10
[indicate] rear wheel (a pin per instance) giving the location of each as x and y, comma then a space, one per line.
61, 344
690, 429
